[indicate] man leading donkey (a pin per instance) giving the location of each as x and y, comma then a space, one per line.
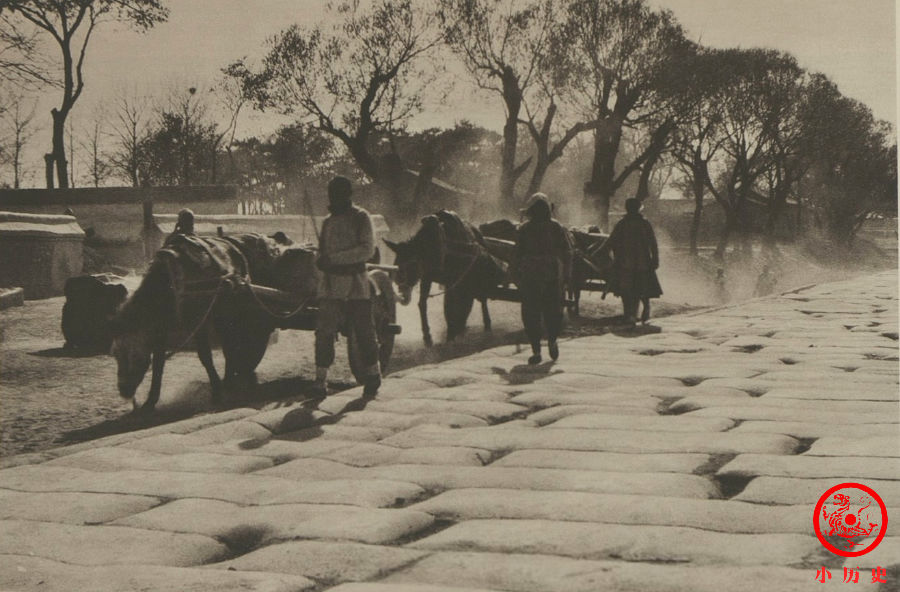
345, 245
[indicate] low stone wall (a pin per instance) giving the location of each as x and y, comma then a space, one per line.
39, 253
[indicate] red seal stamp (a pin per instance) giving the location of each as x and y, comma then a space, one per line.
850, 519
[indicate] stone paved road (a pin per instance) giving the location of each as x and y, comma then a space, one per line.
684, 458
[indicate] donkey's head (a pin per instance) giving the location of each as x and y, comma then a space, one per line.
422, 255
132, 348
139, 327
409, 267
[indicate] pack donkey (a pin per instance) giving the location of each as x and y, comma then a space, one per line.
450, 252
189, 294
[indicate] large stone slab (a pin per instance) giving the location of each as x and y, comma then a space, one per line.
124, 459
329, 563
761, 412
663, 423
225, 521
442, 478
365, 454
707, 514
812, 467
106, 545
273, 448
71, 508
797, 407
874, 446
18, 572
594, 439
804, 429
253, 488
629, 543
557, 412
491, 411
603, 461
546, 573
793, 491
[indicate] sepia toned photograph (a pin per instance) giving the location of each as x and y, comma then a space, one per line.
449, 296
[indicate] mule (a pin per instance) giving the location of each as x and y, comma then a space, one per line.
450, 252
157, 317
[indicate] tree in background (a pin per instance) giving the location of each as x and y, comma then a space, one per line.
501, 43
697, 139
70, 24
180, 148
358, 81
92, 143
624, 50
130, 126
749, 101
853, 170
17, 130
21, 64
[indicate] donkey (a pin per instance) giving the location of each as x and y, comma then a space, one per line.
157, 317
447, 251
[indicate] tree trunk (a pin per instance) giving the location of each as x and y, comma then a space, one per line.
59, 147
600, 188
540, 169
730, 223
698, 212
512, 97
48, 169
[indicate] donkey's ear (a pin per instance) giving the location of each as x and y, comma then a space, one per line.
391, 245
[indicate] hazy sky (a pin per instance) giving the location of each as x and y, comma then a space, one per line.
852, 41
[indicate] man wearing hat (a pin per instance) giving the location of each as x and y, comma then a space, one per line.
543, 259
345, 244
635, 260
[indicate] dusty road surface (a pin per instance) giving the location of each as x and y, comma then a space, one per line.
688, 457
49, 396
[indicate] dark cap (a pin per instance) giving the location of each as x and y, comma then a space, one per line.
538, 206
632, 205
340, 187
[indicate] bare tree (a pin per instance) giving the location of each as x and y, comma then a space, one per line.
501, 43
92, 143
748, 101
130, 124
70, 23
17, 122
21, 64
625, 49
359, 80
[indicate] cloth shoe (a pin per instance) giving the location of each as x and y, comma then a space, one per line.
535, 359
372, 384
554, 350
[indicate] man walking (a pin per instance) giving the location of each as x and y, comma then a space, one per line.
345, 244
544, 260
635, 260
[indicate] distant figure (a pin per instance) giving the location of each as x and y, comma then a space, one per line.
345, 245
543, 258
635, 260
185, 223
721, 285
765, 285
69, 212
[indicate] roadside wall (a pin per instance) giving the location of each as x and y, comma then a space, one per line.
39, 253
